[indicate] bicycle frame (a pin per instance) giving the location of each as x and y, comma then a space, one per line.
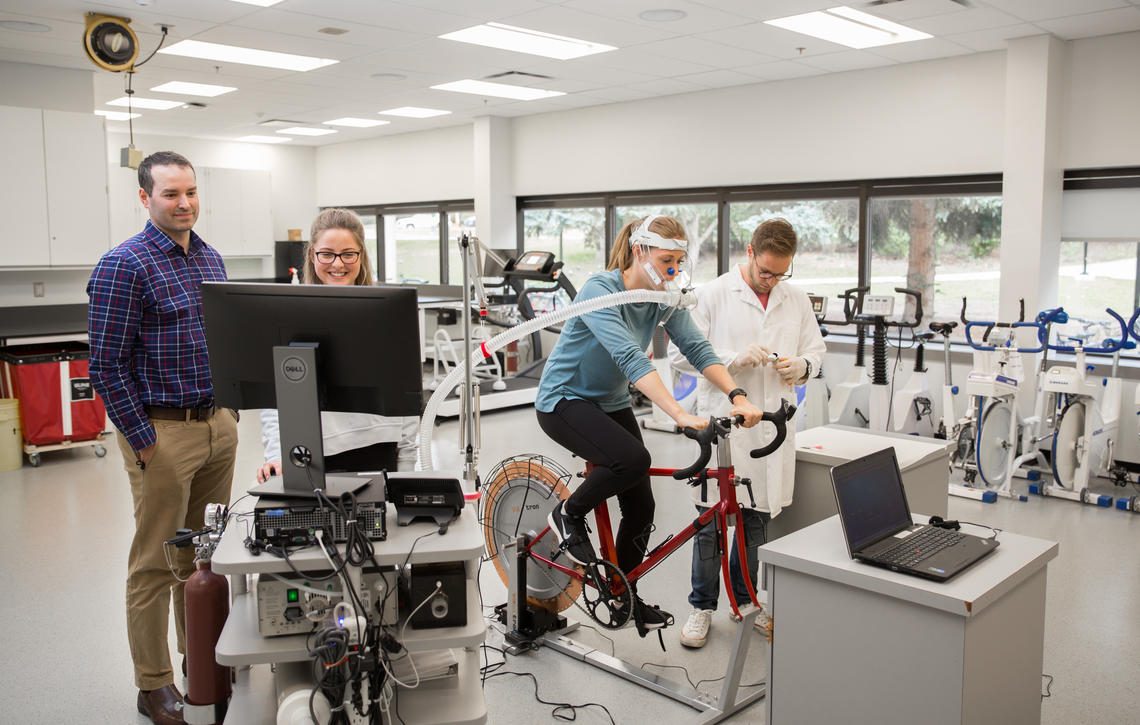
724, 512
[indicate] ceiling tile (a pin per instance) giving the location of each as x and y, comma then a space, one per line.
719, 79
970, 19
617, 31
903, 12
768, 9
705, 52
307, 26
1107, 22
846, 61
699, 18
1033, 10
927, 49
994, 38
383, 13
773, 41
781, 70
666, 87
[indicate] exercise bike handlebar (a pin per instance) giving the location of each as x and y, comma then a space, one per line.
1109, 346
1132, 325
917, 308
1012, 325
719, 427
990, 326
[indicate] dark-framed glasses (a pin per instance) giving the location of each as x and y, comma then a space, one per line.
765, 274
329, 257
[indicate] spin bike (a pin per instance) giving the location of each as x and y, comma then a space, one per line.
1085, 413
1003, 441
519, 494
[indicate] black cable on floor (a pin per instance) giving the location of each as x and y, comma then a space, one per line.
562, 710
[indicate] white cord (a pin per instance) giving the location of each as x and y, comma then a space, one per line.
403, 629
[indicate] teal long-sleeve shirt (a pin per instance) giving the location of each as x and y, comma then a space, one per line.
599, 353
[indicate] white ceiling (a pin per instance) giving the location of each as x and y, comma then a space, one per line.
718, 43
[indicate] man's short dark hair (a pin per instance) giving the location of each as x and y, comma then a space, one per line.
159, 158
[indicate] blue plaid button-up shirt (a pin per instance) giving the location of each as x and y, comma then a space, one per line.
144, 319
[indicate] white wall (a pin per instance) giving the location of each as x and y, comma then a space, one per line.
41, 86
936, 117
292, 171
1102, 104
428, 166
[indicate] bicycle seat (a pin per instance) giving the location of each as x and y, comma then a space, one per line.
943, 328
924, 336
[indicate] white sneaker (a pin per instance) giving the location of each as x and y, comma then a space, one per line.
762, 623
695, 633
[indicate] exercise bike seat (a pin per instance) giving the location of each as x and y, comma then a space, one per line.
924, 336
943, 328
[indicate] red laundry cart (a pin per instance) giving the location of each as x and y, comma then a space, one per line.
58, 406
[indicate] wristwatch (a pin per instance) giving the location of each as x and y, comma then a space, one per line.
807, 375
735, 392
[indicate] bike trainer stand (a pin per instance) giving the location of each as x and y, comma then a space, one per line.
529, 628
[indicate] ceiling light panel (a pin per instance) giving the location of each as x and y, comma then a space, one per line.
524, 40
246, 56
849, 27
306, 131
193, 89
263, 139
497, 90
356, 122
152, 104
414, 112
117, 115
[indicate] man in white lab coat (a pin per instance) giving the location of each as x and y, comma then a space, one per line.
747, 315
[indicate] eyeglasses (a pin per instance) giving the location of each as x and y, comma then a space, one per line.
346, 257
764, 274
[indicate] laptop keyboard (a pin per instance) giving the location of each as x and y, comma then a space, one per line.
920, 546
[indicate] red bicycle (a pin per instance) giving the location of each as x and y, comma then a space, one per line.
521, 491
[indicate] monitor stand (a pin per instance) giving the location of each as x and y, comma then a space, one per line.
335, 485
299, 416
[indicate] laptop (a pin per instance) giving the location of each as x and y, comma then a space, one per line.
880, 531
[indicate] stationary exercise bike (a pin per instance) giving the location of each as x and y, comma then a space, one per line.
522, 490
1084, 430
876, 311
850, 400
1004, 441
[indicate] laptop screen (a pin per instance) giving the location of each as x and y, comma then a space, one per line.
870, 497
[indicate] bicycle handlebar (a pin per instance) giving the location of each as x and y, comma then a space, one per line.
917, 308
719, 428
1108, 347
1132, 325
990, 325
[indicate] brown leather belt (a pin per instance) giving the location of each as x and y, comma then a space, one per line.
186, 414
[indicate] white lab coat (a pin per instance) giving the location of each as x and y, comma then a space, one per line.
348, 431
730, 315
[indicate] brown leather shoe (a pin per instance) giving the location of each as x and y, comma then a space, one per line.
163, 706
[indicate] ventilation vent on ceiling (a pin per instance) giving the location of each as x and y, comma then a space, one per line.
518, 75
279, 122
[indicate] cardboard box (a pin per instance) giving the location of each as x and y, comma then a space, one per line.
294, 235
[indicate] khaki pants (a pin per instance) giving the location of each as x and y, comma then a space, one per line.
192, 466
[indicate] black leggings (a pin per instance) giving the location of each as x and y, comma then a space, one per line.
613, 442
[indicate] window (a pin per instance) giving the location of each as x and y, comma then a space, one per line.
946, 247
700, 223
827, 255
576, 236
369, 222
459, 222
411, 247
1094, 276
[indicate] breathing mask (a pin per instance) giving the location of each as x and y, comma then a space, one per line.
645, 239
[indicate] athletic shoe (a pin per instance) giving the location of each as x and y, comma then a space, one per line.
695, 633
572, 534
762, 623
648, 617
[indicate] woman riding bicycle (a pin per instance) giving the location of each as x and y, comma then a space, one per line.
583, 399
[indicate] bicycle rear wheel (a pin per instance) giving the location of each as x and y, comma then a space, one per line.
518, 495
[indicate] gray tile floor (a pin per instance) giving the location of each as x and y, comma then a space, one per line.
67, 526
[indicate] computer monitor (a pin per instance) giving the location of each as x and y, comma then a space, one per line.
307, 348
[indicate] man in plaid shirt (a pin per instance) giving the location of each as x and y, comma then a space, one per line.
149, 363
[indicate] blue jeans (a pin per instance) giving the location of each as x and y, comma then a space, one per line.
706, 563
